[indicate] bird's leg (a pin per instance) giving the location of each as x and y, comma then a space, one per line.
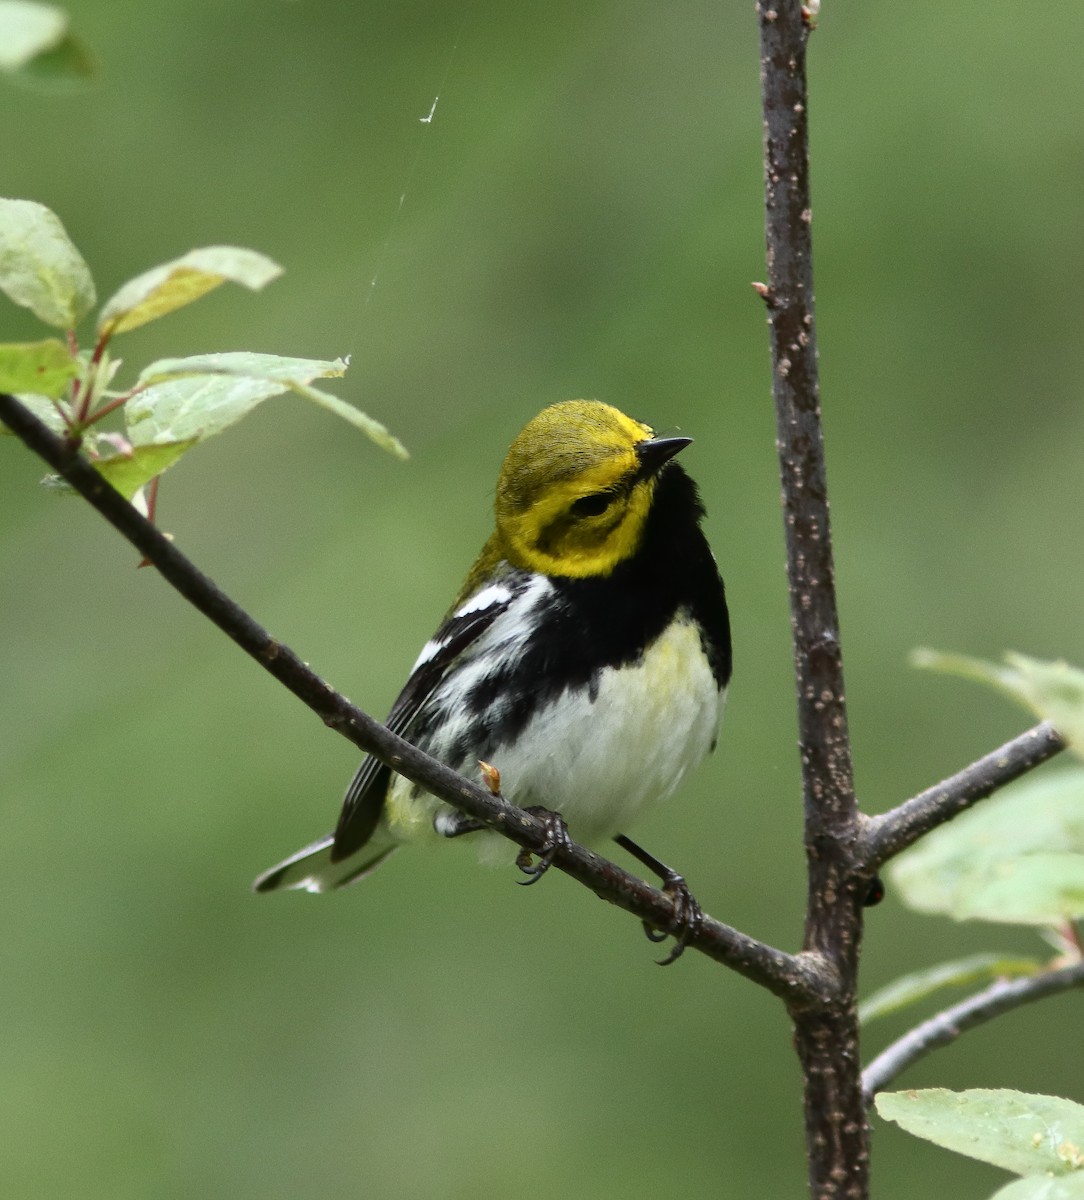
451, 823
687, 912
556, 838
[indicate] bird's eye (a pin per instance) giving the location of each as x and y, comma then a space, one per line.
593, 505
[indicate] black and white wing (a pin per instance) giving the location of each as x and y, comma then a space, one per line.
364, 800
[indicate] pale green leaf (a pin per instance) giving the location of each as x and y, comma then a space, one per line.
200, 396
64, 70
205, 394
174, 284
1032, 889
917, 986
195, 406
1052, 690
45, 368
43, 408
1025, 1134
975, 866
40, 268
245, 363
128, 472
27, 30
1043, 1187
37, 49
372, 429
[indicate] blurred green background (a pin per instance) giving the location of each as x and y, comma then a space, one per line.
581, 218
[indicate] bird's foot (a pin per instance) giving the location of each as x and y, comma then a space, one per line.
688, 914
556, 839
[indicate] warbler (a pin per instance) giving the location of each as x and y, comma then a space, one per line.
586, 657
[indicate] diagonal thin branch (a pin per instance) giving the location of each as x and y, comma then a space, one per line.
890, 833
798, 979
1000, 997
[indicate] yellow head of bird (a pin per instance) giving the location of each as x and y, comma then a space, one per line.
576, 487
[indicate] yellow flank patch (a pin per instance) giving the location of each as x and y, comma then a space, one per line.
409, 817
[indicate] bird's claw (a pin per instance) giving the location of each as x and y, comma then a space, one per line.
556, 839
687, 917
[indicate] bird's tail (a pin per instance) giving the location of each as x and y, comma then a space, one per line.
312, 870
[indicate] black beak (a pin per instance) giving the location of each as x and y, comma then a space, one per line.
654, 454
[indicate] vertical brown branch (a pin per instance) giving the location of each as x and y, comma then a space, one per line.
826, 1039
830, 809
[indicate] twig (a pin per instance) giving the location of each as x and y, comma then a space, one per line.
837, 1139
892, 832
1000, 997
798, 979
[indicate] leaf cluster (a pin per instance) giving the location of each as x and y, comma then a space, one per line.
1016, 859
175, 403
1039, 1138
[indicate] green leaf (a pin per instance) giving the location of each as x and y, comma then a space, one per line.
1043, 1187
174, 284
27, 30
197, 406
67, 68
1052, 690
243, 363
910, 989
977, 866
37, 48
205, 394
43, 367
40, 268
1035, 889
200, 396
372, 429
128, 472
1025, 1134
43, 408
